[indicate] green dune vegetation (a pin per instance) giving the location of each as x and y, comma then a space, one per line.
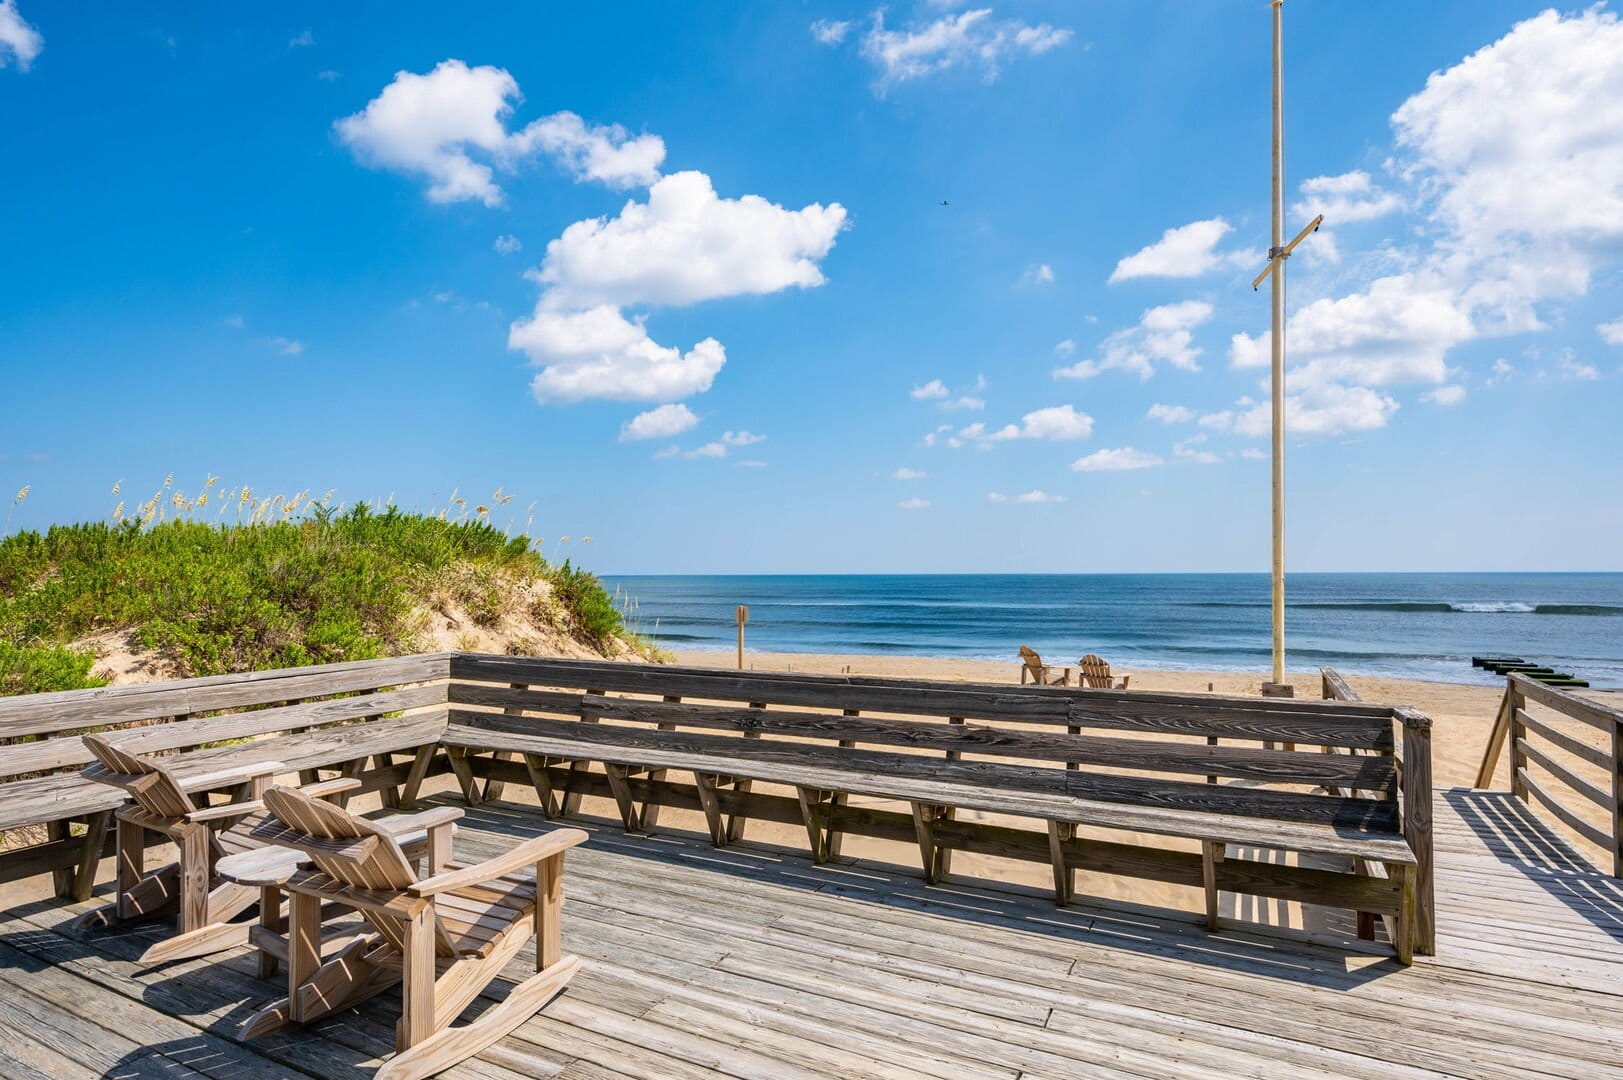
84, 604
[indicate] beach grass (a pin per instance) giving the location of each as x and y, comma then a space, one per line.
317, 587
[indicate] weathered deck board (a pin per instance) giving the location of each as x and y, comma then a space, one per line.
751, 962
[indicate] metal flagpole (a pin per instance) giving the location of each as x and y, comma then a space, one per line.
1278, 252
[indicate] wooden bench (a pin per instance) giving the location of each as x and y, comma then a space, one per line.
754, 727
203, 726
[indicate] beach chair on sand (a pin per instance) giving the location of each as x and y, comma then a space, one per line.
1094, 671
204, 835
444, 937
1032, 667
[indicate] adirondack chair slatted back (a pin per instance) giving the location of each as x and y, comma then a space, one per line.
1034, 663
374, 862
1096, 672
152, 786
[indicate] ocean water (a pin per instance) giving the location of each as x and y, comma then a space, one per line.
1411, 625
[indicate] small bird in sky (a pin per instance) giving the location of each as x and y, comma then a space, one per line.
943, 202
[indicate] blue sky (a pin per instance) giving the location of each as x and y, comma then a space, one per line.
821, 249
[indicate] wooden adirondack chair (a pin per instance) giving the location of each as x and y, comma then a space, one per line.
1039, 672
160, 804
1094, 671
444, 937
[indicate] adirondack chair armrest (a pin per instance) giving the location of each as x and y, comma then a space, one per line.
326, 789
1124, 680
529, 852
434, 818
235, 774
225, 812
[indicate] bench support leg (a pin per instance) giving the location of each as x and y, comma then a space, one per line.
925, 816
1059, 833
541, 780
735, 820
814, 812
620, 784
417, 774
84, 874
1403, 928
706, 783
389, 793
62, 876
1211, 853
458, 758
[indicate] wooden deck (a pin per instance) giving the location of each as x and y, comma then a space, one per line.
751, 962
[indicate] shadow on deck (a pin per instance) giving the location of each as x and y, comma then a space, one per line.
752, 962
1509, 830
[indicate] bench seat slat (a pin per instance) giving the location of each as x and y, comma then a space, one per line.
1330, 839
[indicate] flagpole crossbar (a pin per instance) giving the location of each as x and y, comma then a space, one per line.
1278, 255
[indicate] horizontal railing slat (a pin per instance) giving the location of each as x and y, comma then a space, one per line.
1363, 772
1590, 712
1554, 806
1225, 717
1593, 792
60, 752
38, 714
1566, 742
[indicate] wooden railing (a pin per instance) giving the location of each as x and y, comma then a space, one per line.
1414, 786
323, 718
1560, 756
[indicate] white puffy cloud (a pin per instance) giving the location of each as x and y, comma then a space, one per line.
904, 473
1036, 495
1184, 252
433, 124
1118, 460
1327, 409
932, 390
302, 40
660, 423
599, 353
1065, 347
1572, 368
1190, 450
1523, 139
1345, 199
19, 41
686, 244
1451, 394
1038, 274
1058, 422
507, 244
914, 503
450, 127
1163, 334
1398, 330
607, 153
1611, 332
830, 31
964, 39
1170, 414
719, 448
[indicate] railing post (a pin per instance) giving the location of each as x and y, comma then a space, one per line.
1417, 824
1617, 798
1515, 702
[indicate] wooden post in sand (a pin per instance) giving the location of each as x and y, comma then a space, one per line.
1277, 254
743, 617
